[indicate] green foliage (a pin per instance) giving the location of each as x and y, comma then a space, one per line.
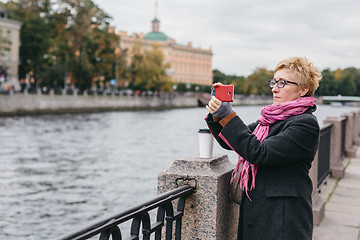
328, 84
34, 34
344, 82
65, 36
149, 70
341, 81
258, 82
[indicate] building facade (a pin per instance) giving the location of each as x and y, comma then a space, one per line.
187, 64
9, 57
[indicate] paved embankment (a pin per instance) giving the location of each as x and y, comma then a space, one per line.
342, 208
38, 103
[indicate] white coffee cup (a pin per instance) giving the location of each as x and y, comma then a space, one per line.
206, 143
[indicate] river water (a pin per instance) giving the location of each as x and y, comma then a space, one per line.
61, 172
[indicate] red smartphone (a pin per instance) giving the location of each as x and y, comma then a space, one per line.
224, 93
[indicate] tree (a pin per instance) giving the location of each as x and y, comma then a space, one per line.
65, 36
156, 70
240, 85
259, 81
218, 76
90, 43
347, 86
328, 84
148, 69
355, 75
34, 34
239, 82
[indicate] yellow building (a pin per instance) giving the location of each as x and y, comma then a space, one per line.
188, 64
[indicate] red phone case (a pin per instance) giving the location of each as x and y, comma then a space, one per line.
225, 93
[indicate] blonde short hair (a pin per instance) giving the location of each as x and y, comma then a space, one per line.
308, 75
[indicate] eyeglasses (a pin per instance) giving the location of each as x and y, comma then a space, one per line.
280, 83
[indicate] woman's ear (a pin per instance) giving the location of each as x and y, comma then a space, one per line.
303, 92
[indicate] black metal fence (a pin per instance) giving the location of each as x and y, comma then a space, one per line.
139, 215
343, 137
324, 154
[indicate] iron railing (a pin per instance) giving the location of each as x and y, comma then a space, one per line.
343, 138
139, 215
324, 154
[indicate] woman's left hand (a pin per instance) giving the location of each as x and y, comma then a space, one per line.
213, 104
219, 109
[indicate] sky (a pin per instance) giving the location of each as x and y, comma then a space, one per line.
245, 35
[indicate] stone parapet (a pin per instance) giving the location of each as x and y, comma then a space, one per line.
350, 149
337, 168
209, 213
318, 203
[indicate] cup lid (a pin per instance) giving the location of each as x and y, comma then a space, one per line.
204, 130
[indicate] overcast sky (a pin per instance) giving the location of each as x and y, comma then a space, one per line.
245, 35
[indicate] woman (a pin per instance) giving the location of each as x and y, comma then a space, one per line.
275, 154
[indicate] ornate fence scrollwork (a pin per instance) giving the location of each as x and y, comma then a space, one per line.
140, 217
114, 232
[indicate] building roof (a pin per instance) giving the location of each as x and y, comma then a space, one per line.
156, 36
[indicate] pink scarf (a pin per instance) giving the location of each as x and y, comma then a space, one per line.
269, 115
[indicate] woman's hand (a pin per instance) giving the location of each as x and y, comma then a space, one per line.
213, 105
216, 107
215, 85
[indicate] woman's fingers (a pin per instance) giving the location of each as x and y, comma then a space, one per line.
213, 104
209, 109
215, 100
217, 84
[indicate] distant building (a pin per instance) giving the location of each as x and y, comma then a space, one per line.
9, 58
188, 64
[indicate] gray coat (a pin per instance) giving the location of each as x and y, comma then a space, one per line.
281, 205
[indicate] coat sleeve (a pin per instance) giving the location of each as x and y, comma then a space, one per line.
296, 141
215, 128
252, 126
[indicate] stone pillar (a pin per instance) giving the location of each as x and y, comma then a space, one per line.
357, 128
349, 134
208, 214
337, 168
318, 203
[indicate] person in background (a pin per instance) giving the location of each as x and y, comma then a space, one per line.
275, 154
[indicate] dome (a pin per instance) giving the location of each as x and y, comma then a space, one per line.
156, 36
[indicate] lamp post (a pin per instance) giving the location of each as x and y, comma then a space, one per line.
66, 71
117, 61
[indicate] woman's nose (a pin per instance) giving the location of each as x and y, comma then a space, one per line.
275, 89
